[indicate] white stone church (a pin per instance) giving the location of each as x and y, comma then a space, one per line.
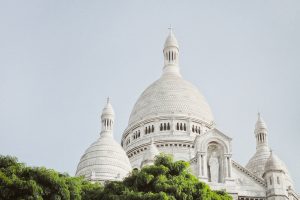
173, 117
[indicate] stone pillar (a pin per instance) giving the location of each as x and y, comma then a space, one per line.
205, 166
226, 166
229, 167
189, 127
199, 165
172, 126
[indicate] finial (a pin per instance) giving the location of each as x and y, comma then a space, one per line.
170, 29
258, 114
108, 99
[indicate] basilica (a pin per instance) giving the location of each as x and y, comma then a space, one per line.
173, 117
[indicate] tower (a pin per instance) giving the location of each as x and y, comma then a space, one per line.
257, 163
274, 176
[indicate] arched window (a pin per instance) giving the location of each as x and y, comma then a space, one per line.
165, 126
152, 128
260, 137
184, 127
161, 127
193, 129
181, 128
278, 180
177, 126
168, 126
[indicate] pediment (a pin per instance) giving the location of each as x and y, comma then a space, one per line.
247, 183
213, 136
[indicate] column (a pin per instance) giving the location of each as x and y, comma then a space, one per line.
199, 165
226, 166
172, 126
229, 167
204, 166
188, 128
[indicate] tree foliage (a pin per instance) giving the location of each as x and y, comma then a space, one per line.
165, 180
17, 181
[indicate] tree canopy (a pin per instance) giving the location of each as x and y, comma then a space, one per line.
18, 181
165, 180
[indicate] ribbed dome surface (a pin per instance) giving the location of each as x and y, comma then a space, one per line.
171, 95
106, 159
274, 163
257, 163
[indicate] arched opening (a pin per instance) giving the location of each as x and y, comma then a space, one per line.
216, 169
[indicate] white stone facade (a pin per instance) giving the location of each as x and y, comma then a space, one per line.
174, 114
104, 160
173, 117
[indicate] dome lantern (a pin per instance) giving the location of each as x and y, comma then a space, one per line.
261, 133
171, 55
107, 118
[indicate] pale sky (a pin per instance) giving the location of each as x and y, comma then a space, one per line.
59, 60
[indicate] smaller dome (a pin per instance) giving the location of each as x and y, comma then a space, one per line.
258, 161
274, 163
171, 41
105, 159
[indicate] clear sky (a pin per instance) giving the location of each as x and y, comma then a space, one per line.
59, 60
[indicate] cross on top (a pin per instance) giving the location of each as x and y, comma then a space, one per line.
170, 28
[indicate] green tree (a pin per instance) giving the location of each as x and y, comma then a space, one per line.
17, 181
165, 180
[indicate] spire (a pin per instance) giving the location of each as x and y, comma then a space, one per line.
107, 119
171, 54
261, 132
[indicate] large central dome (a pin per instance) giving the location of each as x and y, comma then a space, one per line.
170, 95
